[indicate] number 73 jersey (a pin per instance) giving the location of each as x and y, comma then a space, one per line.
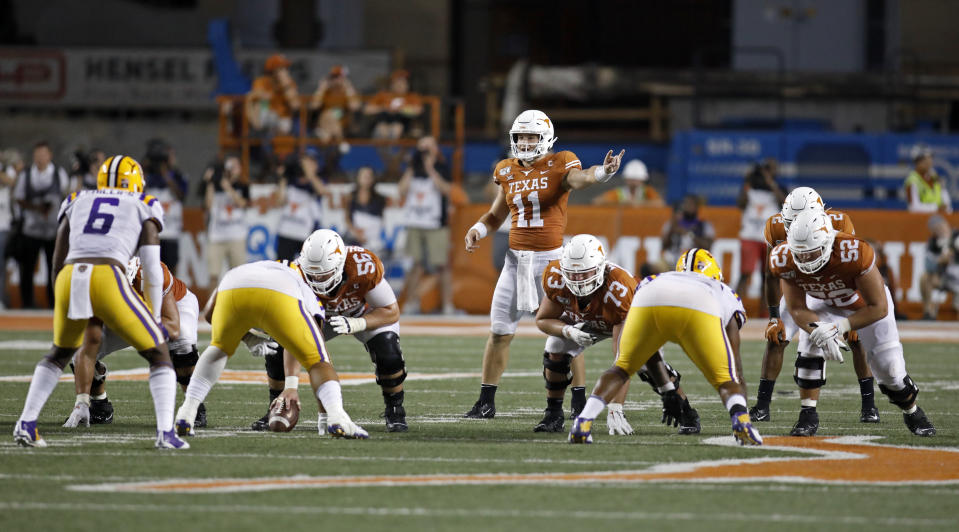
835, 283
600, 311
107, 223
536, 199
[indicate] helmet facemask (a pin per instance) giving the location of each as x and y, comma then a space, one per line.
583, 265
322, 260
810, 241
531, 122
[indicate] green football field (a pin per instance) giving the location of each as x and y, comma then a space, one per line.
449, 473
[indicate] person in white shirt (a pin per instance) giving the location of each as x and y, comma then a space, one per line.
760, 198
8, 176
165, 181
39, 190
226, 201
298, 197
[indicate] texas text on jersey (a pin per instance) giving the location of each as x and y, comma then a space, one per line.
536, 199
834, 283
361, 273
775, 230
604, 309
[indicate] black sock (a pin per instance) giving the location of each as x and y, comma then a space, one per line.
868, 393
579, 395
737, 409
807, 409
393, 399
554, 404
765, 395
487, 393
274, 394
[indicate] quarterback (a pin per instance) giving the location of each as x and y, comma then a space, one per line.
586, 301
99, 231
832, 286
534, 188
695, 309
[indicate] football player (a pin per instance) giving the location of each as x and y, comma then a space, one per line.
349, 282
781, 327
276, 298
99, 231
534, 187
586, 301
695, 309
832, 287
179, 313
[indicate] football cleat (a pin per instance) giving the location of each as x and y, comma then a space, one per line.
101, 412
341, 426
25, 434
262, 424
869, 415
759, 413
743, 430
808, 423
396, 419
182, 428
481, 411
689, 422
169, 440
200, 421
918, 423
552, 422
581, 431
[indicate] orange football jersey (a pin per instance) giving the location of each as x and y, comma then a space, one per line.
536, 199
170, 283
775, 230
834, 283
604, 309
361, 273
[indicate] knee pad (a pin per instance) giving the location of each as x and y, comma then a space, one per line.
274, 365
184, 360
888, 364
810, 372
646, 376
904, 397
561, 367
384, 350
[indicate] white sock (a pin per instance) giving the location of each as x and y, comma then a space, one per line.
45, 378
330, 394
808, 402
735, 399
100, 397
163, 390
594, 406
912, 410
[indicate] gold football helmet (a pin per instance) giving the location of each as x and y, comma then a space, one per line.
121, 172
700, 261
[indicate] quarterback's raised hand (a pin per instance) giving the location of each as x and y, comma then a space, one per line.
611, 163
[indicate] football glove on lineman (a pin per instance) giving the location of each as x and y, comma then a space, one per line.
672, 408
576, 334
775, 331
260, 346
347, 325
616, 421
80, 414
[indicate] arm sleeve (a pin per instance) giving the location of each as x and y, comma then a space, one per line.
152, 277
381, 295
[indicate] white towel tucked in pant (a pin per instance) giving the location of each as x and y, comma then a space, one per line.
526, 299
80, 307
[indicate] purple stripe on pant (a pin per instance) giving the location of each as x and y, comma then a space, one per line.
729, 353
321, 349
122, 284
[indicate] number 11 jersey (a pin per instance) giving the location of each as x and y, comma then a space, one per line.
536, 199
107, 223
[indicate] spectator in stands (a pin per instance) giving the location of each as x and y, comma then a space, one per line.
298, 195
760, 198
425, 190
888, 277
272, 104
925, 190
39, 190
941, 266
165, 181
83, 175
335, 100
685, 230
364, 213
9, 161
635, 192
226, 200
395, 112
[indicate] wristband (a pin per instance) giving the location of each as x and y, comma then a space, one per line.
480, 228
774, 311
83, 398
292, 382
600, 174
844, 325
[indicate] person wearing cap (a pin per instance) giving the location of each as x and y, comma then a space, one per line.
394, 109
274, 98
925, 190
298, 196
335, 99
636, 191
941, 266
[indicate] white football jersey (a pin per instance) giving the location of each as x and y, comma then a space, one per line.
693, 291
273, 275
107, 223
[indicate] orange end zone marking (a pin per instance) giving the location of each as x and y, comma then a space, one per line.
845, 460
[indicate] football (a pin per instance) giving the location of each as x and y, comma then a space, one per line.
283, 419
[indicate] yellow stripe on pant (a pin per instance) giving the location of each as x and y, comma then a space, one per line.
701, 335
114, 302
281, 316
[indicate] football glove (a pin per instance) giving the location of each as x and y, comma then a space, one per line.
576, 334
833, 350
347, 325
260, 346
775, 331
80, 414
616, 421
672, 408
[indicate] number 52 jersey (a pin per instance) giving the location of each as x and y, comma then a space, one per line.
107, 223
835, 283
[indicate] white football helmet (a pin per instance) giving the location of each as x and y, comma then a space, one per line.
133, 266
810, 240
799, 200
583, 264
322, 260
531, 122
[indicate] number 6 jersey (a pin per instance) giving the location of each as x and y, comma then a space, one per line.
835, 283
107, 223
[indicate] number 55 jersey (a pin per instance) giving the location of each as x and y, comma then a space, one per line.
107, 223
834, 285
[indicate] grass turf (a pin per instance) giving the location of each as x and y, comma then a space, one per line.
34, 489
